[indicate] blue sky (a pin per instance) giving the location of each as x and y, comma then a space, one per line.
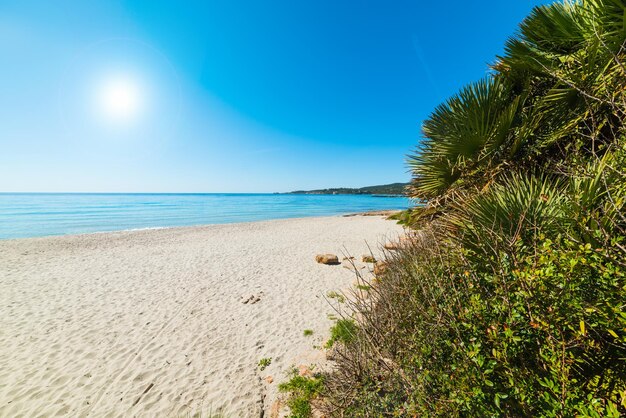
230, 95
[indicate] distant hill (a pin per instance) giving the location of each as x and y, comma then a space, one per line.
385, 189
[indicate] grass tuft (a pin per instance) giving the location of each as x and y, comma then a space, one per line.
344, 331
301, 390
264, 363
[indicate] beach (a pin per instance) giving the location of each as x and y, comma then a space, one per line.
170, 322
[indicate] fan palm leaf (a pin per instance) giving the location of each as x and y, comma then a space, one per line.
464, 132
514, 211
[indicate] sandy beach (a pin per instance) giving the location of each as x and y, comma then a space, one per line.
153, 322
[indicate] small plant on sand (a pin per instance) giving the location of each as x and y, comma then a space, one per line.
264, 363
338, 296
343, 331
301, 390
308, 332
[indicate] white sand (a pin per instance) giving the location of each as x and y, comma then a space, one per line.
151, 323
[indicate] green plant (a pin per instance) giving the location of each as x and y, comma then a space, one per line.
510, 300
308, 332
264, 363
343, 331
302, 390
465, 133
337, 296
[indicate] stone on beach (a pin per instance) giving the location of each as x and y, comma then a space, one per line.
252, 299
403, 241
330, 259
379, 268
392, 246
304, 371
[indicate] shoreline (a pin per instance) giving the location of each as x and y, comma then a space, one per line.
384, 213
155, 322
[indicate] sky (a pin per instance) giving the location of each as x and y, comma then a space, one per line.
230, 95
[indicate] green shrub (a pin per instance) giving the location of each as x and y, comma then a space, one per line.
541, 333
343, 331
301, 391
512, 317
511, 299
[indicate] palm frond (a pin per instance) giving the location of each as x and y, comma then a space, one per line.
462, 133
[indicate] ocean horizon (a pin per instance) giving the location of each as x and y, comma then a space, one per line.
29, 215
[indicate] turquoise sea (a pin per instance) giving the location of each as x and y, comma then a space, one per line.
25, 215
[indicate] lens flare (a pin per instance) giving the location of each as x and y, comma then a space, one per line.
119, 99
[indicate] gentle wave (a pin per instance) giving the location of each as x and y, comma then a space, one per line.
25, 215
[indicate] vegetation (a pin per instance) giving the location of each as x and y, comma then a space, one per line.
343, 331
386, 189
264, 363
339, 297
308, 332
302, 390
510, 301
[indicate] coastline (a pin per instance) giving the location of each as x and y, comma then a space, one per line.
154, 321
384, 213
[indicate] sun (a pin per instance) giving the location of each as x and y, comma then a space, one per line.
119, 99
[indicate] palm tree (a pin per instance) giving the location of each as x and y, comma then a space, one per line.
557, 91
464, 135
522, 176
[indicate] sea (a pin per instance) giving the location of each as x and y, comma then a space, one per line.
26, 215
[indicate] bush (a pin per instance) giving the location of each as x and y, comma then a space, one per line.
511, 299
343, 331
538, 330
302, 390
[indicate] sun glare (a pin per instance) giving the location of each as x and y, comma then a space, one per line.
119, 99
